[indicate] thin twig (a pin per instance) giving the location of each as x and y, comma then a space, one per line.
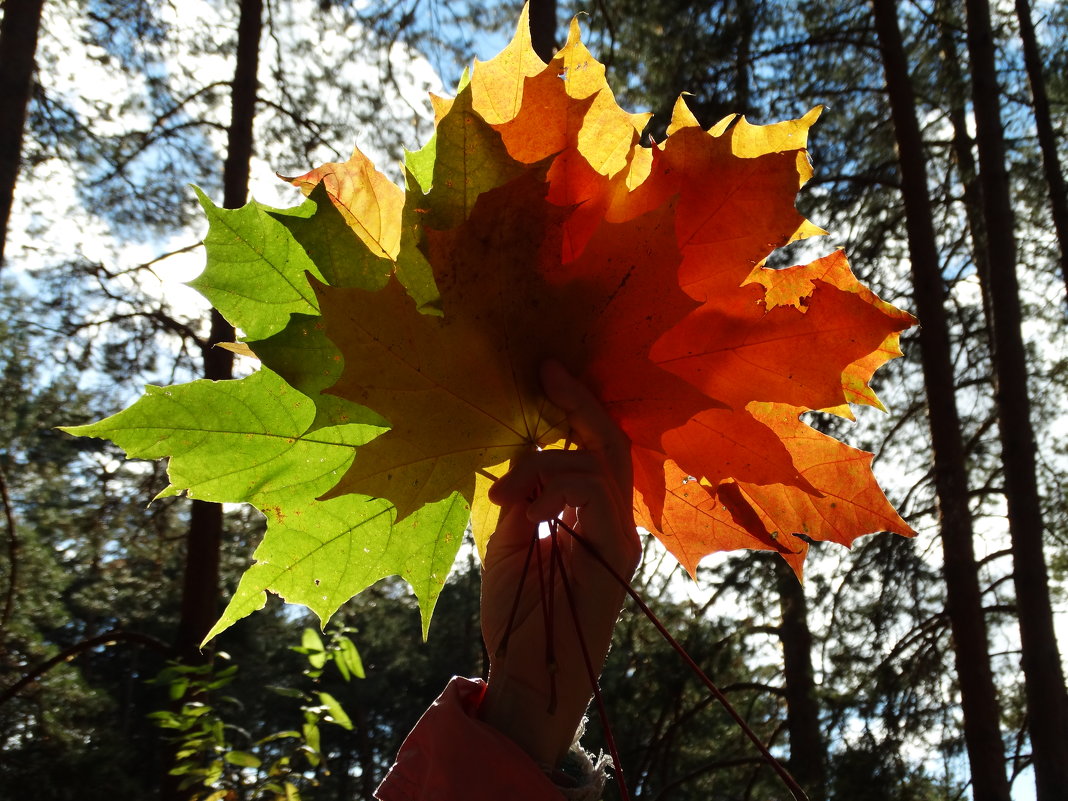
547, 621
502, 646
66, 655
550, 613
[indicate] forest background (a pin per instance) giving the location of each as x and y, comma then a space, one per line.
904, 669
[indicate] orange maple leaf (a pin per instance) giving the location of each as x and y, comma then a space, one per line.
551, 232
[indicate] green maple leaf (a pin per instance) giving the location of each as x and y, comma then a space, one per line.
256, 273
333, 249
303, 355
323, 554
252, 440
235, 441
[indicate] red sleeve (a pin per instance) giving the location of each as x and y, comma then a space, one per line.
452, 755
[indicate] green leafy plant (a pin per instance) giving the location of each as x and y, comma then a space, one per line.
218, 759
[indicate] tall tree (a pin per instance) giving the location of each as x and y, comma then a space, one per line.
956, 99
808, 747
18, 48
1047, 137
86, 554
200, 595
543, 28
1047, 700
125, 171
734, 56
882, 659
201, 590
964, 600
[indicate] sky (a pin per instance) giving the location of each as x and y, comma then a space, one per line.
93, 89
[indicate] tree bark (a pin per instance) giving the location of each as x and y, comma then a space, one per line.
808, 750
200, 592
1047, 702
200, 596
543, 28
961, 143
979, 703
1047, 138
18, 50
743, 59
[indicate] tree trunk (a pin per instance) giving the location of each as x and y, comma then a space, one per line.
982, 733
18, 48
808, 751
1047, 138
744, 56
200, 592
543, 28
961, 143
369, 778
1047, 703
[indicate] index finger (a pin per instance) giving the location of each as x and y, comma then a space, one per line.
588, 419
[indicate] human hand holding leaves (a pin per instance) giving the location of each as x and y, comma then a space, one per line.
404, 339
535, 629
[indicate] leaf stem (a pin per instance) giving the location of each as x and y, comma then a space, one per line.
790, 782
547, 621
590, 670
502, 647
549, 603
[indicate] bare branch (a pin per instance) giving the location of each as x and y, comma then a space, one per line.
68, 654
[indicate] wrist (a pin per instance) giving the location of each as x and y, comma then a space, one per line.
522, 713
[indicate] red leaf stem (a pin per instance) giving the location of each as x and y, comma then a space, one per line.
502, 647
591, 671
790, 782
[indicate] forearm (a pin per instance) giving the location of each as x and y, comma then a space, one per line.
541, 706
522, 713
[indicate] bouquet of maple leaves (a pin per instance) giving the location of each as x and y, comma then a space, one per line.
400, 332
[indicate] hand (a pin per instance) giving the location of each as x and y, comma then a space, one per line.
592, 490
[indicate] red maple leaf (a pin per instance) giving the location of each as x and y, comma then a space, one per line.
550, 232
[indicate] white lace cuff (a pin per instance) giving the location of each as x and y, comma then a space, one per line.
581, 776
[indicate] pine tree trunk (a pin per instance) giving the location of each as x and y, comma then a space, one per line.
744, 56
982, 733
808, 750
365, 757
200, 592
1047, 138
955, 94
543, 28
1047, 703
18, 49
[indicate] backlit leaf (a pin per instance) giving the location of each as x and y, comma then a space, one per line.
400, 334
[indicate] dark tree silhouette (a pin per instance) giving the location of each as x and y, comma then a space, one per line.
1047, 702
1047, 137
18, 48
200, 590
963, 598
808, 746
